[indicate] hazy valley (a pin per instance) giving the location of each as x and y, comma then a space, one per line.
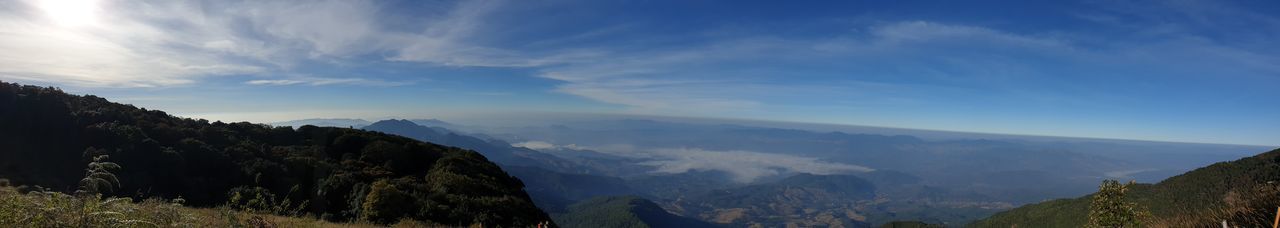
742, 175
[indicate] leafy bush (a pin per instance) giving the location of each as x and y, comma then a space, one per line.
1110, 209
385, 204
98, 177
260, 200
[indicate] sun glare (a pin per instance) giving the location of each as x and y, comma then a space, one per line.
70, 12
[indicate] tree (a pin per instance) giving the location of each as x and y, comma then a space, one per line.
1110, 209
385, 204
98, 177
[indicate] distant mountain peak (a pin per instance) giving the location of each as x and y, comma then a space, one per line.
623, 211
394, 122
433, 123
325, 122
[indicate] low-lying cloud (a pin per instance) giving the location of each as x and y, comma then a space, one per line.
743, 166
541, 145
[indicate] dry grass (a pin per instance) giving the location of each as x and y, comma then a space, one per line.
1248, 207
53, 209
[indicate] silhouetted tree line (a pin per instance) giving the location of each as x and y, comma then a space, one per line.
47, 137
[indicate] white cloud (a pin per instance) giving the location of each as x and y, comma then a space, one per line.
542, 145
737, 75
744, 166
275, 82
35, 47
167, 43
314, 81
744, 75
536, 145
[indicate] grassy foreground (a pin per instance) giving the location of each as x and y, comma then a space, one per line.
54, 209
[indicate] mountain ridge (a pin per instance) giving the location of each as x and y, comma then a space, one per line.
344, 174
623, 212
1201, 197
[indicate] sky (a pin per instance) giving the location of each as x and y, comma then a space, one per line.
1185, 71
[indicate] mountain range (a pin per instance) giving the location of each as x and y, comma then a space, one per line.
625, 173
47, 137
623, 212
556, 177
913, 179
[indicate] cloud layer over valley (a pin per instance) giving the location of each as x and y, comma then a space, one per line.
742, 166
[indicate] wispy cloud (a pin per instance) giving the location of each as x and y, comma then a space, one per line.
313, 81
146, 44
740, 74
106, 50
900, 61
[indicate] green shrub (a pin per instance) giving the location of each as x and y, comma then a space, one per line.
98, 177
261, 200
385, 204
1110, 209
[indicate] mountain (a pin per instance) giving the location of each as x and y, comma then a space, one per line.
347, 123
599, 163
47, 137
432, 123
995, 167
553, 183
499, 151
553, 191
623, 212
1243, 192
802, 200
681, 185
910, 224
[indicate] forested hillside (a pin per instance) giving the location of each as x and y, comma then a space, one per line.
1244, 193
47, 137
496, 150
623, 212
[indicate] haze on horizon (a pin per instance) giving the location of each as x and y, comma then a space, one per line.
1185, 71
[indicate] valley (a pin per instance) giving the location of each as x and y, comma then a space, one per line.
717, 174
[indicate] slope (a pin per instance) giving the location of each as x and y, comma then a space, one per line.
1243, 192
622, 212
553, 191
47, 137
498, 151
801, 200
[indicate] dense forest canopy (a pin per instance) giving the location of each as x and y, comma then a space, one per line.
48, 136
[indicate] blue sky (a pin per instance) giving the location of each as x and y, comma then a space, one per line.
1190, 71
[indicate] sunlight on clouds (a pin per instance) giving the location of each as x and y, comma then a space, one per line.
116, 51
147, 44
71, 12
